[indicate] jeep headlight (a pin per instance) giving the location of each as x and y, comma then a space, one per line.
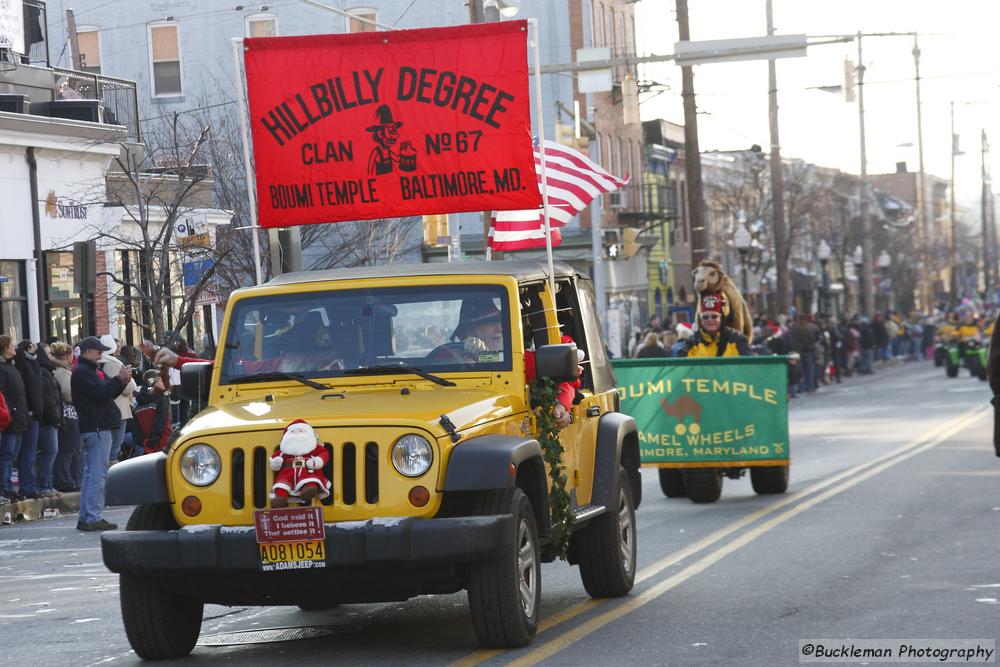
201, 465
412, 455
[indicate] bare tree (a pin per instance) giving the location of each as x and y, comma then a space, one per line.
156, 189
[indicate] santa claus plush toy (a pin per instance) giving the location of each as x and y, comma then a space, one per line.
298, 462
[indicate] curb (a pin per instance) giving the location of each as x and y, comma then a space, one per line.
29, 510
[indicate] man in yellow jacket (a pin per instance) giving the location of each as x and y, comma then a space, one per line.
713, 338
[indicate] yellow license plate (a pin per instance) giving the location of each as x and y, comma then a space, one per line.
275, 553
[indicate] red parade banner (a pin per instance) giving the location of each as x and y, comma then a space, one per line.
390, 124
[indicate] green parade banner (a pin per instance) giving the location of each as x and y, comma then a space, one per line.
727, 412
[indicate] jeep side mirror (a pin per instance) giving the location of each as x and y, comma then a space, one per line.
196, 379
556, 362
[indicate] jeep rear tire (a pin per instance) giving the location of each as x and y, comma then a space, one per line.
672, 482
606, 549
767, 480
703, 485
505, 592
159, 624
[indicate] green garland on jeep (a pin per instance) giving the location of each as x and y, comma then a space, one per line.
543, 397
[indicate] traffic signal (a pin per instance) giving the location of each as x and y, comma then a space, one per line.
630, 242
436, 230
566, 135
849, 80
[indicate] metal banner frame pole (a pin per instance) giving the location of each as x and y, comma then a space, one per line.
237, 45
533, 23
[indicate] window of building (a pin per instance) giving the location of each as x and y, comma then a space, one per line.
612, 35
599, 25
262, 25
165, 60
356, 25
62, 301
89, 40
13, 300
618, 158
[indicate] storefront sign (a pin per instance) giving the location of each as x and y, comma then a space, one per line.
729, 412
389, 124
67, 209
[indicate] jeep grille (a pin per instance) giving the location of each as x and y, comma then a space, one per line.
357, 473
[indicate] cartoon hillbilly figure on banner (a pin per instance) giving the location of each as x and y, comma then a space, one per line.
385, 132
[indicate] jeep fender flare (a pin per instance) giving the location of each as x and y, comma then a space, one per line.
138, 481
484, 463
617, 445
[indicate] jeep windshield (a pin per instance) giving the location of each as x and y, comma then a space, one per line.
430, 329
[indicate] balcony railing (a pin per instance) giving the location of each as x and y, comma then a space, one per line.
119, 97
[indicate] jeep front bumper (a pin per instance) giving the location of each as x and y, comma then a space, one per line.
219, 550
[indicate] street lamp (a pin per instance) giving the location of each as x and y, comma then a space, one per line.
742, 240
884, 260
494, 10
859, 262
823, 252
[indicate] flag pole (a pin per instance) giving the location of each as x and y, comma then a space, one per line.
237, 45
541, 151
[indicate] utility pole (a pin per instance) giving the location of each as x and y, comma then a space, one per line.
924, 234
777, 179
74, 42
952, 245
867, 288
692, 155
987, 196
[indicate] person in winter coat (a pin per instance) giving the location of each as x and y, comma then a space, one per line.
94, 399
152, 416
68, 468
48, 425
867, 341
713, 338
650, 348
110, 365
12, 387
26, 362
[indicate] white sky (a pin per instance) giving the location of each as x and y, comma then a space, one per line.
960, 61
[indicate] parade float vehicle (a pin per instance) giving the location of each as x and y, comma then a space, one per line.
970, 353
702, 420
440, 479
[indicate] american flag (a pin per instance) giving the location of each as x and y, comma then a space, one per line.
574, 180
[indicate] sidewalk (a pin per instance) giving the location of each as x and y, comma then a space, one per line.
29, 510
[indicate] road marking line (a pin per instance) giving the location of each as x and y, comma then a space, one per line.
575, 634
671, 559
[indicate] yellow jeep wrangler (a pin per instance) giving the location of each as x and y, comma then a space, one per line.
414, 380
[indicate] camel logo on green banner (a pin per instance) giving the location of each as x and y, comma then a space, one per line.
730, 411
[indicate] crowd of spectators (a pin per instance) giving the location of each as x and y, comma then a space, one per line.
67, 413
821, 349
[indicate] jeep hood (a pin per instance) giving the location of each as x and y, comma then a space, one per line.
383, 406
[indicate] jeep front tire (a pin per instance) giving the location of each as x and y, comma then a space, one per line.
505, 592
160, 625
606, 549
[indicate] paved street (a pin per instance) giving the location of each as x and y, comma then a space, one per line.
889, 530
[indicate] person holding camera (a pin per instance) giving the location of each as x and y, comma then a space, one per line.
99, 417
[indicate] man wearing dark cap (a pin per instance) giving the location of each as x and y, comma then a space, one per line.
94, 399
479, 327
